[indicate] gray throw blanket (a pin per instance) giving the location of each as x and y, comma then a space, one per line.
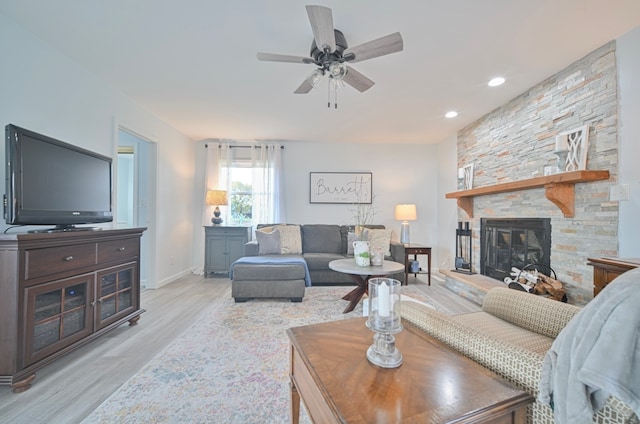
596, 355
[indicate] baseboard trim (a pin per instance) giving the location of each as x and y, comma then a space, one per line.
174, 277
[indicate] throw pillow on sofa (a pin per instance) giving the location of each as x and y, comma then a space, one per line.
279, 239
290, 239
268, 241
378, 239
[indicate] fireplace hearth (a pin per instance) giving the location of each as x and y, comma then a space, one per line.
514, 242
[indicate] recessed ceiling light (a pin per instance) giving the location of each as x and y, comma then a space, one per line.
496, 82
451, 114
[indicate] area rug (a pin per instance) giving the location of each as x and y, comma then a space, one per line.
230, 367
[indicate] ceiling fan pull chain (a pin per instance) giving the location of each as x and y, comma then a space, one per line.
333, 83
329, 93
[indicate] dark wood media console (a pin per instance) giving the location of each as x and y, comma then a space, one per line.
60, 290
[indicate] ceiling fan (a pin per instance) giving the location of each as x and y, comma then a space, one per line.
329, 52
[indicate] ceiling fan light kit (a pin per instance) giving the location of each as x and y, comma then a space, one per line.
337, 70
315, 77
330, 51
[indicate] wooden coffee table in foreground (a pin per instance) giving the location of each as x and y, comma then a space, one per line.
434, 384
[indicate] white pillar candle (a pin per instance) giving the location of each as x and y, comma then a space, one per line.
383, 300
561, 143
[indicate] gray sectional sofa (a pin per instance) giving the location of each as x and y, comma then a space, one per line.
321, 244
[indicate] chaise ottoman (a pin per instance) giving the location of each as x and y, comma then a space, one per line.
268, 280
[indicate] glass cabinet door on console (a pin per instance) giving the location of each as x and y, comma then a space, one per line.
59, 313
115, 293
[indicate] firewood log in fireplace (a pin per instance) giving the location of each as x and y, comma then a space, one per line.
524, 277
540, 284
551, 286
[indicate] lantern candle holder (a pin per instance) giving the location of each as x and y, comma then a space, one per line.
384, 320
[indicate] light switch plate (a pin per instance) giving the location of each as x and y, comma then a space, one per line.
619, 192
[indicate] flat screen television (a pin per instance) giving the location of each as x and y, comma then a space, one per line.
50, 182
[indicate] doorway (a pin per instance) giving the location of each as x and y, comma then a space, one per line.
136, 196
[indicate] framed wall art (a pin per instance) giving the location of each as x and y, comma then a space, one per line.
340, 187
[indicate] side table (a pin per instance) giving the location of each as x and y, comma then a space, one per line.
606, 269
415, 250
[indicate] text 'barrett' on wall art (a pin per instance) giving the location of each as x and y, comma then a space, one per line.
340, 187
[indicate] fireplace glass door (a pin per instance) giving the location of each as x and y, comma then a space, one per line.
518, 242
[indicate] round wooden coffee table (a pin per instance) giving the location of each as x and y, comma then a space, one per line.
361, 275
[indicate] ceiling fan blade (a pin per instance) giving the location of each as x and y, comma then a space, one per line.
322, 25
304, 88
283, 58
388, 44
356, 80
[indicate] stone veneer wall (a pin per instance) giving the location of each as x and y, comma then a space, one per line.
517, 140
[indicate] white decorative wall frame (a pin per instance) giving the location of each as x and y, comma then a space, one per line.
468, 177
576, 144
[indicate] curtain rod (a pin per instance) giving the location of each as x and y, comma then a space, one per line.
240, 147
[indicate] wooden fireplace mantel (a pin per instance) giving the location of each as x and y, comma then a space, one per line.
559, 188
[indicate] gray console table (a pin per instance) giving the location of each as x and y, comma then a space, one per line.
223, 246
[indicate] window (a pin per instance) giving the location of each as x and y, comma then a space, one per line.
240, 198
251, 177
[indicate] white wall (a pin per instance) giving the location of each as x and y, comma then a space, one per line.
445, 244
46, 92
201, 213
401, 174
628, 47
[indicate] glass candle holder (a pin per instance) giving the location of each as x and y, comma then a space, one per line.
384, 320
377, 256
561, 163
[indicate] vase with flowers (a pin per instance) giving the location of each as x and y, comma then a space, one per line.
363, 214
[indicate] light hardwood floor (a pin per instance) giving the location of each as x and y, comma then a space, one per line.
67, 390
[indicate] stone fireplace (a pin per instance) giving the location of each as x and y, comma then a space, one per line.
514, 242
515, 143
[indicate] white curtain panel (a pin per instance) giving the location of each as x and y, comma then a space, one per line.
213, 179
268, 202
216, 176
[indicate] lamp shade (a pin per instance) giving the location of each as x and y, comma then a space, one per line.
216, 197
406, 212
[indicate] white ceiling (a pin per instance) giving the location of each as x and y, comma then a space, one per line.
193, 62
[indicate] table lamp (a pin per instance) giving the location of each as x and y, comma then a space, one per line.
405, 213
217, 198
